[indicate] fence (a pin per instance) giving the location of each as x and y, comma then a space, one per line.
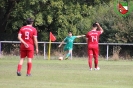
106, 44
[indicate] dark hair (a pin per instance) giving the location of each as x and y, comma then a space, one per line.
69, 31
94, 24
29, 21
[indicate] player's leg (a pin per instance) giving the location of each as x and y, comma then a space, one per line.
65, 51
20, 66
68, 54
64, 54
90, 56
68, 50
30, 54
96, 54
22, 56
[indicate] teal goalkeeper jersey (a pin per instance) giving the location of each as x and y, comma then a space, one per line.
69, 42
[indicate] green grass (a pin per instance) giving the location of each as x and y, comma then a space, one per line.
66, 74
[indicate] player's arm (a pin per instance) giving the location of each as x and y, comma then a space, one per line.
36, 44
80, 36
22, 41
61, 43
99, 27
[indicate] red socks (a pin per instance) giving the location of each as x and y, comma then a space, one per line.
19, 68
29, 66
90, 61
96, 61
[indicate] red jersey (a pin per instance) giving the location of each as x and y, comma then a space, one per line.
27, 33
93, 38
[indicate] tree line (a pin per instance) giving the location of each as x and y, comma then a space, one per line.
60, 16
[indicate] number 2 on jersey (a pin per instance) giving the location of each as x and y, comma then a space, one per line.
27, 35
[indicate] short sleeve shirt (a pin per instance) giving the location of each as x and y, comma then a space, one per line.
93, 37
27, 34
69, 42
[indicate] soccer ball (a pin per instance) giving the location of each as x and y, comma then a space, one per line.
60, 58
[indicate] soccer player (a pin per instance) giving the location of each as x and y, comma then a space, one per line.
28, 38
69, 43
92, 39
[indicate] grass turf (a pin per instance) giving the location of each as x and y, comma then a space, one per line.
66, 74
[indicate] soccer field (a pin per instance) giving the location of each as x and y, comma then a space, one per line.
66, 74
